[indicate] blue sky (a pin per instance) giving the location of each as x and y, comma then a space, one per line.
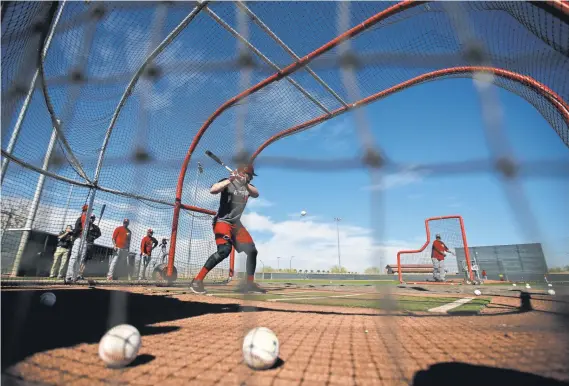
433, 123
437, 122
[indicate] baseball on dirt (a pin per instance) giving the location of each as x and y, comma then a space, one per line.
260, 348
119, 346
48, 299
477, 292
551, 292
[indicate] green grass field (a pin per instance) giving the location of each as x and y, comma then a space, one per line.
364, 300
330, 282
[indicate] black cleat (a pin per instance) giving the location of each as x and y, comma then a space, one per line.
196, 286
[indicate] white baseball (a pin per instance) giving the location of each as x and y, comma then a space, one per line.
550, 285
48, 299
477, 292
514, 284
303, 213
260, 348
528, 286
551, 292
119, 346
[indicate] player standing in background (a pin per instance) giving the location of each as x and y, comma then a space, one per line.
121, 244
64, 243
76, 243
438, 254
147, 245
93, 233
227, 227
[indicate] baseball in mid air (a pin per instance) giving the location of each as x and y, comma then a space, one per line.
303, 213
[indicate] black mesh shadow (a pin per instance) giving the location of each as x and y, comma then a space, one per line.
447, 374
82, 316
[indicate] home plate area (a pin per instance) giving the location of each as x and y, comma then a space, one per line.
325, 337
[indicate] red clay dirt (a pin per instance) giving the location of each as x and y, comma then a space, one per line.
320, 345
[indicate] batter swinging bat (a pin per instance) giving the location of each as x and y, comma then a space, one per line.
216, 159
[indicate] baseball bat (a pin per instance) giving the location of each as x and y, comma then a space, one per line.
101, 215
218, 160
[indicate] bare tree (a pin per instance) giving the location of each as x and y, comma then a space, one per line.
14, 213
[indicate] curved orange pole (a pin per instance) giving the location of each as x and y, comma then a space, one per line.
397, 8
542, 89
464, 242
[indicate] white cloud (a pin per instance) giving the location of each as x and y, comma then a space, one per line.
259, 202
406, 176
314, 244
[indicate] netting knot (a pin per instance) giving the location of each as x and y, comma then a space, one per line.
474, 53
245, 60
98, 12
349, 60
242, 157
152, 72
507, 167
76, 76
373, 158
141, 155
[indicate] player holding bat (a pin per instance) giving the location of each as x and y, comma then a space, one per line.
227, 227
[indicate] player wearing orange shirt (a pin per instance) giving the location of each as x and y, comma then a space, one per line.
121, 244
438, 254
147, 245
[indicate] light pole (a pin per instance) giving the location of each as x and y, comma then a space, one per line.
338, 219
261, 261
290, 263
278, 263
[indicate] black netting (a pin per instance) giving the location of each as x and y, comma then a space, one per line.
98, 47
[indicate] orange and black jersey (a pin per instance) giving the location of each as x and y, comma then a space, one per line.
439, 249
232, 202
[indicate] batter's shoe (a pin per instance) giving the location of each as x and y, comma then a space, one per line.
251, 287
196, 286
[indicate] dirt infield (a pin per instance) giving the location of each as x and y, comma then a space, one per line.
190, 339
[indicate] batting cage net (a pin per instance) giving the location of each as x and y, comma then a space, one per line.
112, 106
419, 263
